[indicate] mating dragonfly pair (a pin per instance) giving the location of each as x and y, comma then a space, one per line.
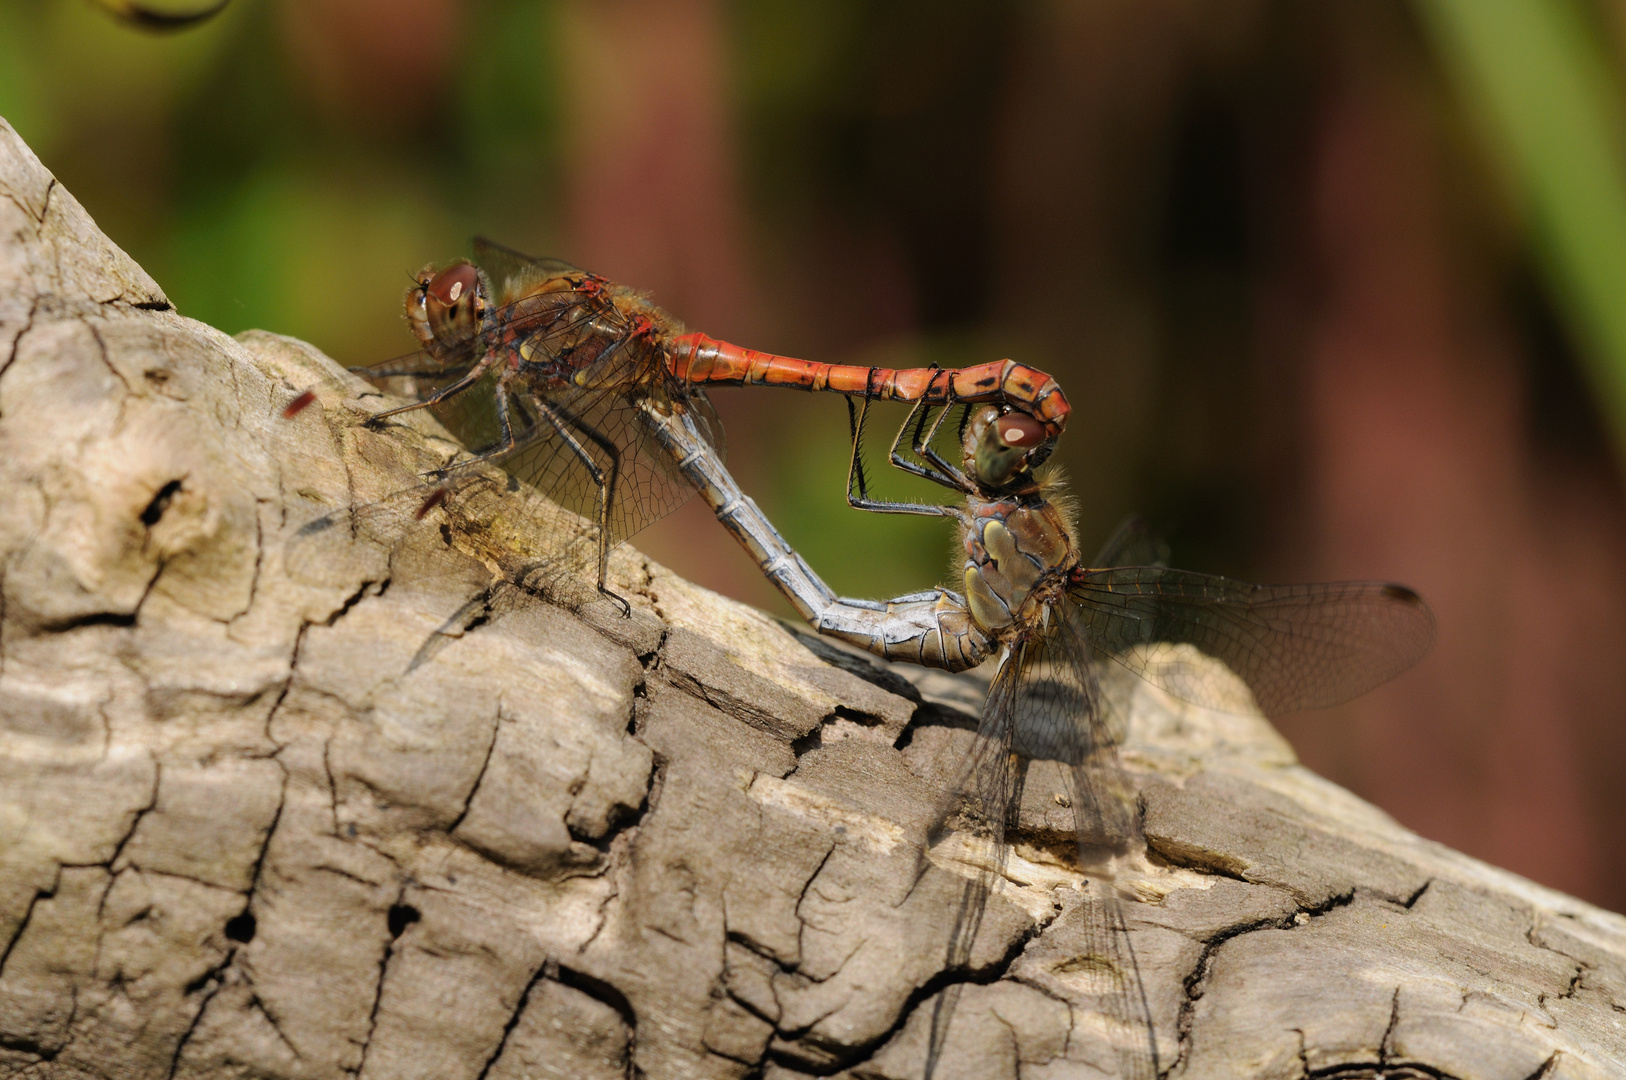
590, 393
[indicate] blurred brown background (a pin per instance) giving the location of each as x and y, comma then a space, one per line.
1296, 302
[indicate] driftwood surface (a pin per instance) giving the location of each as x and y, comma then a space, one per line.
242, 835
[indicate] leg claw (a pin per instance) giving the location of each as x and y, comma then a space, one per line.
626, 608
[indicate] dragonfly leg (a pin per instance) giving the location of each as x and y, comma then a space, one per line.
409, 372
504, 444
604, 478
468, 380
923, 443
917, 417
858, 484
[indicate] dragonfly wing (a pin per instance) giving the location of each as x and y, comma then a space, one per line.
1060, 715
544, 326
706, 420
510, 271
1043, 703
546, 321
1133, 544
1296, 646
977, 809
314, 553
1103, 933
564, 448
591, 451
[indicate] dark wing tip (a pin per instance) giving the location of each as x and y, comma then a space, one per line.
1403, 595
485, 243
488, 251
1422, 616
321, 524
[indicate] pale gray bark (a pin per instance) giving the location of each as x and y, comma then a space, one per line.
240, 835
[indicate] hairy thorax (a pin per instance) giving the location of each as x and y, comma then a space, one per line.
1017, 550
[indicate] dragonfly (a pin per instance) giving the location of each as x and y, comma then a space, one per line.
562, 378
597, 398
1050, 621
1053, 620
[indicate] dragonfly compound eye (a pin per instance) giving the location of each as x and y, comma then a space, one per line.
1018, 429
451, 284
454, 302
1005, 445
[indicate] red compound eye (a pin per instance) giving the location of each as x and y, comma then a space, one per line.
1020, 430
453, 283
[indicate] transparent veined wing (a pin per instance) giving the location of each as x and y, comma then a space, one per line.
1044, 703
590, 450
1133, 543
511, 271
1296, 646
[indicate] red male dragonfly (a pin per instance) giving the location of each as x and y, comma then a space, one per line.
560, 376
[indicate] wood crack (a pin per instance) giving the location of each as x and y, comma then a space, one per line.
28, 916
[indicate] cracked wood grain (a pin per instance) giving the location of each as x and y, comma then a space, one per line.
344, 808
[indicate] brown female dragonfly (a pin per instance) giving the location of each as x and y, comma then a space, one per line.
1049, 620
1052, 620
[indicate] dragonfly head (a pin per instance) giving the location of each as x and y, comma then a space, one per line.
446, 307
1003, 446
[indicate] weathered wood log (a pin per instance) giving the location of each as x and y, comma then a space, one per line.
242, 833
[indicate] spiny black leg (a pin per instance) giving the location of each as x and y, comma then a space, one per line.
604, 479
944, 473
626, 608
607, 490
504, 445
857, 485
606, 499
923, 447
857, 482
895, 457
468, 380
917, 417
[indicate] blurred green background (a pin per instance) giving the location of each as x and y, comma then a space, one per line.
1335, 289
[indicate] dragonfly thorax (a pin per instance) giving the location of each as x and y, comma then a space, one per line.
1017, 550
550, 324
